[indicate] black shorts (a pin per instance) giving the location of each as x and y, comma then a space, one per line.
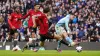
49, 35
12, 31
32, 30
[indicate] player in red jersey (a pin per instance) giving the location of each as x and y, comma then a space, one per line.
43, 28
31, 25
15, 23
33, 12
42, 24
44, 31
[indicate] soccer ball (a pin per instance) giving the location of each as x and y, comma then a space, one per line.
14, 49
79, 48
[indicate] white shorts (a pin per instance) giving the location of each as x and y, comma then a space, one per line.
59, 29
31, 40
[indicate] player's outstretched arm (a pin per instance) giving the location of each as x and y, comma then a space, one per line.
34, 22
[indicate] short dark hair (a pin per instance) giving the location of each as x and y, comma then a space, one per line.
36, 4
16, 7
70, 12
46, 9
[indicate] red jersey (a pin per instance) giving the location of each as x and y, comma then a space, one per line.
15, 20
31, 13
43, 24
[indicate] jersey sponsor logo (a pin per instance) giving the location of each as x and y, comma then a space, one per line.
15, 16
16, 19
38, 15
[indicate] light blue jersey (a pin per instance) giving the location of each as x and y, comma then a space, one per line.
60, 29
64, 22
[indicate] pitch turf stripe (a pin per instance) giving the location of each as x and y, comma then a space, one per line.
37, 53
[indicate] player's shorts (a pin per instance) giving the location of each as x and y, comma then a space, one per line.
49, 35
32, 30
59, 29
32, 39
12, 31
32, 42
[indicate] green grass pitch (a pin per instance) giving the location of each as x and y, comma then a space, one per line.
49, 53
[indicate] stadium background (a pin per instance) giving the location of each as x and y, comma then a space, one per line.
85, 27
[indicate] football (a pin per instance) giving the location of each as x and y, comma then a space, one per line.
79, 48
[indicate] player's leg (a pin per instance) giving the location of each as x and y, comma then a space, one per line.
61, 31
42, 41
14, 35
52, 35
26, 46
15, 38
56, 36
32, 40
60, 41
58, 31
48, 35
68, 39
31, 43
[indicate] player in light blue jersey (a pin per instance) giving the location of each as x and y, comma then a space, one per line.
62, 26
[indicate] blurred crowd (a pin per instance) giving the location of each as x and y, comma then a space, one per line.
85, 26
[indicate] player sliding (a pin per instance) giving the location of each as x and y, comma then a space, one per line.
62, 26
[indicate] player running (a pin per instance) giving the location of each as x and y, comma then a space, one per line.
33, 12
32, 26
43, 26
15, 24
62, 26
44, 31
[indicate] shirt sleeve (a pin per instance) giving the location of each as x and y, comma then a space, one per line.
9, 20
26, 15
